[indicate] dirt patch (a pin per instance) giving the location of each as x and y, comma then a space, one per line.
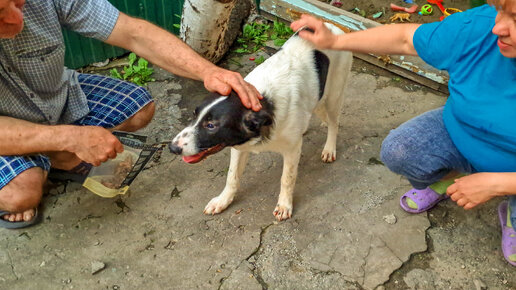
371, 7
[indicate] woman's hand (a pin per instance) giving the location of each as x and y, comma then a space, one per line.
472, 190
322, 37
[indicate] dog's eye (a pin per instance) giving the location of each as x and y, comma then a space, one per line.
210, 125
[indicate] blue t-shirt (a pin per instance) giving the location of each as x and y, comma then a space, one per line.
480, 114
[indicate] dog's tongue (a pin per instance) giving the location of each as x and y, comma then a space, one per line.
203, 154
193, 158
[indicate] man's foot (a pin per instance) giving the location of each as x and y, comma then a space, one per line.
19, 220
19, 217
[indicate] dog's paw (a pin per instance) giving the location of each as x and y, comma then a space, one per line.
282, 212
217, 205
328, 156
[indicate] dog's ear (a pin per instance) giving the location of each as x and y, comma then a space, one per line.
254, 121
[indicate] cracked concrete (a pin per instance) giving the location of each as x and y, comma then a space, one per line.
157, 237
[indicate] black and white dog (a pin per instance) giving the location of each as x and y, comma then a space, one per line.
295, 82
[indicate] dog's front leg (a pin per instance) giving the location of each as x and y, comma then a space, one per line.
284, 207
236, 168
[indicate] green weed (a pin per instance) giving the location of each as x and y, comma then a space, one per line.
280, 33
137, 72
255, 35
177, 25
259, 60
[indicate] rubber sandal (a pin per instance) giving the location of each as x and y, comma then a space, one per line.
18, 225
425, 199
77, 174
508, 234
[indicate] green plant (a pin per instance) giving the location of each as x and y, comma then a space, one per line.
280, 33
177, 25
255, 35
259, 60
137, 72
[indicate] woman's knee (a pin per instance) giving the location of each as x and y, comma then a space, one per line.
24, 191
395, 154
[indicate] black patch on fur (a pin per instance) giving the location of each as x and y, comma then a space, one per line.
322, 64
229, 123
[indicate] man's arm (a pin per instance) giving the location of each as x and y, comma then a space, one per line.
385, 39
164, 49
90, 143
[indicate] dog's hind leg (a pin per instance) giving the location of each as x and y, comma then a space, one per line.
332, 112
284, 207
330, 107
236, 168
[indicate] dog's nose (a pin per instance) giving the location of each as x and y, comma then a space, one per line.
175, 149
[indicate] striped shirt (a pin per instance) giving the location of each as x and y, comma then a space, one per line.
34, 83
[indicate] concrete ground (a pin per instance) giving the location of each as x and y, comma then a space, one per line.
347, 231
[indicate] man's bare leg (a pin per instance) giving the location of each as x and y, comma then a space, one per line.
23, 194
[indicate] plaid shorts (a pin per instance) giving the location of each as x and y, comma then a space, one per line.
111, 102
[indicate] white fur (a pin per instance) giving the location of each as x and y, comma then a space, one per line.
289, 78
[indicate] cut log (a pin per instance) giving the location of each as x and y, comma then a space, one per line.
204, 24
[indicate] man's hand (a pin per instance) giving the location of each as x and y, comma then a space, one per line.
472, 190
94, 144
322, 37
223, 81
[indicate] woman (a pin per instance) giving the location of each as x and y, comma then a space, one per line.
470, 143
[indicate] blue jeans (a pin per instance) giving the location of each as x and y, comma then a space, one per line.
422, 151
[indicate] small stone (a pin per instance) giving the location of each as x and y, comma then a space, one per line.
96, 267
116, 287
67, 281
479, 284
42, 264
463, 267
390, 219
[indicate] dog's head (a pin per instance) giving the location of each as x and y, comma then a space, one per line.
221, 121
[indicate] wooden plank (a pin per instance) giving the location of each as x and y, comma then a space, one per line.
411, 67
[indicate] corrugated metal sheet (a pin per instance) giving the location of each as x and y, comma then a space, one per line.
81, 51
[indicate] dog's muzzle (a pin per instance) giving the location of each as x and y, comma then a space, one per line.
175, 149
